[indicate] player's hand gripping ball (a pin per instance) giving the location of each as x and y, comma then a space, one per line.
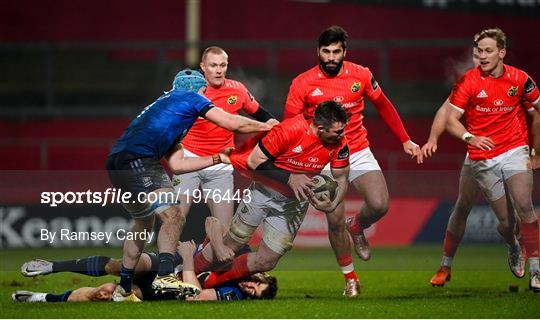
324, 185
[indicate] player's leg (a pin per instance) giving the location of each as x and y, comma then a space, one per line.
141, 177
184, 186
95, 266
220, 203
278, 236
341, 245
468, 192
279, 232
132, 251
372, 187
84, 294
520, 188
490, 176
249, 215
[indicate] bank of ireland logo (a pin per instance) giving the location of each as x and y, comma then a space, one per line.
232, 99
356, 87
512, 91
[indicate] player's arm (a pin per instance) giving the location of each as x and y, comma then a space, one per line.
205, 295
456, 129
186, 251
294, 104
215, 232
391, 117
437, 128
235, 123
262, 162
262, 115
179, 164
340, 175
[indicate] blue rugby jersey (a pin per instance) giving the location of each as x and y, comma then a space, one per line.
162, 124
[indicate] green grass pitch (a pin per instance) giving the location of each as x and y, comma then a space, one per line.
395, 285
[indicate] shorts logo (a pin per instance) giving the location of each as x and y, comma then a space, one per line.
512, 91
232, 100
498, 102
356, 87
147, 181
176, 180
313, 159
339, 99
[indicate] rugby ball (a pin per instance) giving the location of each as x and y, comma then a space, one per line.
324, 185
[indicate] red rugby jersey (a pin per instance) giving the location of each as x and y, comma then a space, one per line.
348, 88
205, 138
295, 148
494, 108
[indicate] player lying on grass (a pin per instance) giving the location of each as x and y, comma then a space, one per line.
256, 286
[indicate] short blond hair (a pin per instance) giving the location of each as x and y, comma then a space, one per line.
493, 33
214, 50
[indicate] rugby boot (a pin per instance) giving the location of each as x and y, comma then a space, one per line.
170, 283
442, 276
516, 261
36, 267
352, 288
361, 245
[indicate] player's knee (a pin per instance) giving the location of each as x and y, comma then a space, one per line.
173, 215
523, 204
239, 231
378, 207
265, 263
462, 209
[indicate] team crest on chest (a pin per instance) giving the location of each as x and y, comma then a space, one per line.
512, 91
232, 100
355, 87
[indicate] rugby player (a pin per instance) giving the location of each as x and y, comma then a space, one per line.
281, 164
468, 192
349, 84
492, 96
206, 138
256, 286
134, 166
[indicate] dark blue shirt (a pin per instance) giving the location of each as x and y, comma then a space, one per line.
163, 124
230, 291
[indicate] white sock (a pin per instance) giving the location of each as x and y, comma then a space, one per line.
446, 261
347, 269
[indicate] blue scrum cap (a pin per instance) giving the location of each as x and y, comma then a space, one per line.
190, 80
